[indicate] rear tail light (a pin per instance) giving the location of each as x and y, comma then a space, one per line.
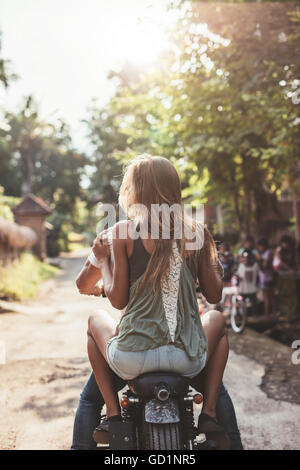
125, 402
198, 398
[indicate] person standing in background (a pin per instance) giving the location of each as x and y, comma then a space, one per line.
285, 264
266, 274
228, 263
248, 245
285, 258
247, 274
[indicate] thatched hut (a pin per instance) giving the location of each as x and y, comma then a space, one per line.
32, 212
13, 239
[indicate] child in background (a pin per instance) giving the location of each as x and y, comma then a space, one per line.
248, 245
247, 274
227, 261
285, 258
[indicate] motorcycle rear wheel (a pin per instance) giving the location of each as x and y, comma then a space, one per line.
163, 436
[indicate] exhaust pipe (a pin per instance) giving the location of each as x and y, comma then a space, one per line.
162, 392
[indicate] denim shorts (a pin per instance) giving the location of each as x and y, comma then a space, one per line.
167, 358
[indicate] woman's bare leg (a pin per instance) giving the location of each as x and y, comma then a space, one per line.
101, 328
217, 354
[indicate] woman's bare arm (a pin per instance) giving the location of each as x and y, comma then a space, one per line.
210, 270
87, 279
116, 278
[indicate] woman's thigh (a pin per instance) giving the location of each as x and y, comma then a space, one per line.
126, 364
181, 363
102, 327
168, 358
213, 323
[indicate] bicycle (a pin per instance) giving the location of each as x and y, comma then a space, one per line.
238, 308
234, 303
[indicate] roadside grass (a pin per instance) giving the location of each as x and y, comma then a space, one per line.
22, 278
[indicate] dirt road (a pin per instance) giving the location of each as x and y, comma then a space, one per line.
46, 367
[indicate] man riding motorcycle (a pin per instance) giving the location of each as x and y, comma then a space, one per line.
155, 279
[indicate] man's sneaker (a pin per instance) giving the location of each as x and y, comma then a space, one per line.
220, 440
207, 424
100, 434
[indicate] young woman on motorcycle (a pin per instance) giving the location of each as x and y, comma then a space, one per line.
153, 280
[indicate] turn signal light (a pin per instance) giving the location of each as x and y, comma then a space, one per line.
198, 398
125, 402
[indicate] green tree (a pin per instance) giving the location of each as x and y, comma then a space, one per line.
105, 169
247, 109
211, 108
6, 74
38, 156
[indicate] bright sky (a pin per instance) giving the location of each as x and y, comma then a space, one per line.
63, 49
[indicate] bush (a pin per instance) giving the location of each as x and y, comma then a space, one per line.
21, 279
6, 204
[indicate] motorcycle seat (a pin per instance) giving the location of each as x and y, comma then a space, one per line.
145, 384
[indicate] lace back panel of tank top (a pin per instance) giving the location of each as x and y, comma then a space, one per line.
170, 289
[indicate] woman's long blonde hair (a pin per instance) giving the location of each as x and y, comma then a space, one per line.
152, 180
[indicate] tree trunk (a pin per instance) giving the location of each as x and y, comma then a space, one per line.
237, 209
220, 220
29, 172
296, 216
247, 211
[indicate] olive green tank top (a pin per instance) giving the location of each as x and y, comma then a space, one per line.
171, 316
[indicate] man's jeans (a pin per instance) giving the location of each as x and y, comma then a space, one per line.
91, 402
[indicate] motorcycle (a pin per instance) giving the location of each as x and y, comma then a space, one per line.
158, 414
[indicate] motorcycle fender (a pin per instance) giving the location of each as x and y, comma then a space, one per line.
159, 412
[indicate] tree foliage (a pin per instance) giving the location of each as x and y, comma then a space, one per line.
222, 107
6, 73
37, 156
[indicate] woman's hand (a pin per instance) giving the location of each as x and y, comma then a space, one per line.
101, 246
96, 290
